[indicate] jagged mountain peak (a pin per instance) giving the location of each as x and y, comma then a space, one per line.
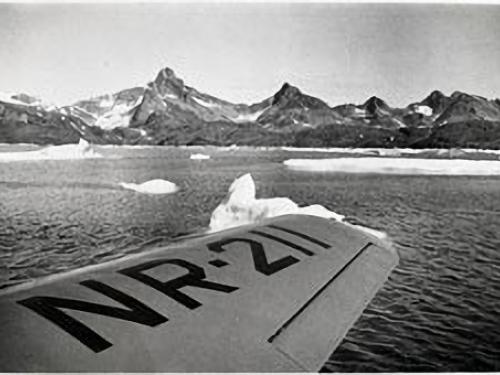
166, 111
166, 71
167, 83
374, 105
465, 107
436, 94
459, 95
25, 98
166, 74
286, 91
436, 100
375, 100
290, 96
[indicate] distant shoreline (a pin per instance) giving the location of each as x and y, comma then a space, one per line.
26, 151
408, 150
284, 148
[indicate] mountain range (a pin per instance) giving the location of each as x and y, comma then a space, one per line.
168, 112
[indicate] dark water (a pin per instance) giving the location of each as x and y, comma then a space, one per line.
439, 311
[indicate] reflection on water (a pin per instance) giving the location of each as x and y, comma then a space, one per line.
438, 311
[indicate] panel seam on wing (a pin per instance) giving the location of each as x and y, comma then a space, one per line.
293, 360
318, 293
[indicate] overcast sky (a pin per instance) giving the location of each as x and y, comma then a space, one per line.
244, 52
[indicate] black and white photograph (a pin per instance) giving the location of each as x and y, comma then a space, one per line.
271, 186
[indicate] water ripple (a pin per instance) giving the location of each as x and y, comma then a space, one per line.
437, 312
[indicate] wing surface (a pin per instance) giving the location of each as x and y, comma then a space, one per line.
277, 296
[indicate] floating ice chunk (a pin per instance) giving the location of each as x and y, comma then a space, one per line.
240, 207
247, 212
398, 166
83, 144
241, 191
389, 152
157, 186
199, 157
318, 210
83, 150
370, 231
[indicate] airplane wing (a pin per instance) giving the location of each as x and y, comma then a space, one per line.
276, 296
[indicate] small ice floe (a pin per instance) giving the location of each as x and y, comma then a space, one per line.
82, 150
394, 152
157, 186
199, 157
406, 166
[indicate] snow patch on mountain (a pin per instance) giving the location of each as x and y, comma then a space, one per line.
36, 102
7, 98
248, 117
359, 112
112, 120
169, 96
205, 103
423, 109
118, 116
304, 124
107, 101
400, 123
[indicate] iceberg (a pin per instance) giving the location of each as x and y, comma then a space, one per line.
82, 150
407, 166
157, 186
241, 207
199, 157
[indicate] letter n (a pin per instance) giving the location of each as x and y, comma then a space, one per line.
50, 308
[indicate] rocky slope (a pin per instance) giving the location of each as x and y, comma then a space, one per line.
34, 123
167, 111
